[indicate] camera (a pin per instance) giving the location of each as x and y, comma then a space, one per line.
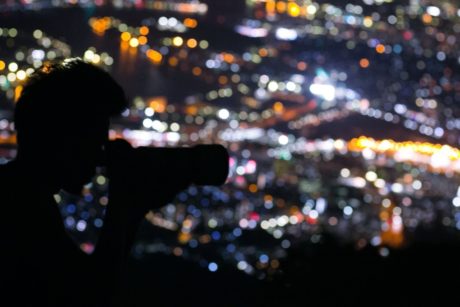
200, 164
182, 166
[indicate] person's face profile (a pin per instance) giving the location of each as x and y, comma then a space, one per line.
79, 150
63, 121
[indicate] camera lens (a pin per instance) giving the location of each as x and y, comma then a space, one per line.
211, 164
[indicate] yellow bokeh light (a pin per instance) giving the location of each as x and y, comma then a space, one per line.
270, 6
278, 107
21, 75
13, 67
177, 41
311, 9
392, 147
17, 92
125, 36
367, 22
293, 9
134, 42
2, 65
96, 59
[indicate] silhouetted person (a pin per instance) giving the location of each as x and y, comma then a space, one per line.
62, 121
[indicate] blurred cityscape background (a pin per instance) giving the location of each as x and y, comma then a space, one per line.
342, 120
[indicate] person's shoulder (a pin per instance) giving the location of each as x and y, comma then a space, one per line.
8, 186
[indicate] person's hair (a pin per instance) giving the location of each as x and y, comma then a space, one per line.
68, 90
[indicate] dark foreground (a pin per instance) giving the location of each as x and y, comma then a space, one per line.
424, 274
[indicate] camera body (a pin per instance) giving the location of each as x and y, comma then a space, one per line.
167, 167
199, 165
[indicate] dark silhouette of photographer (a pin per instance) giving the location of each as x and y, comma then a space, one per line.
62, 119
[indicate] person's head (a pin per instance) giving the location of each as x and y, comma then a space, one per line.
62, 120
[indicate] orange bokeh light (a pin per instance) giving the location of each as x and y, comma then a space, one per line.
364, 63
